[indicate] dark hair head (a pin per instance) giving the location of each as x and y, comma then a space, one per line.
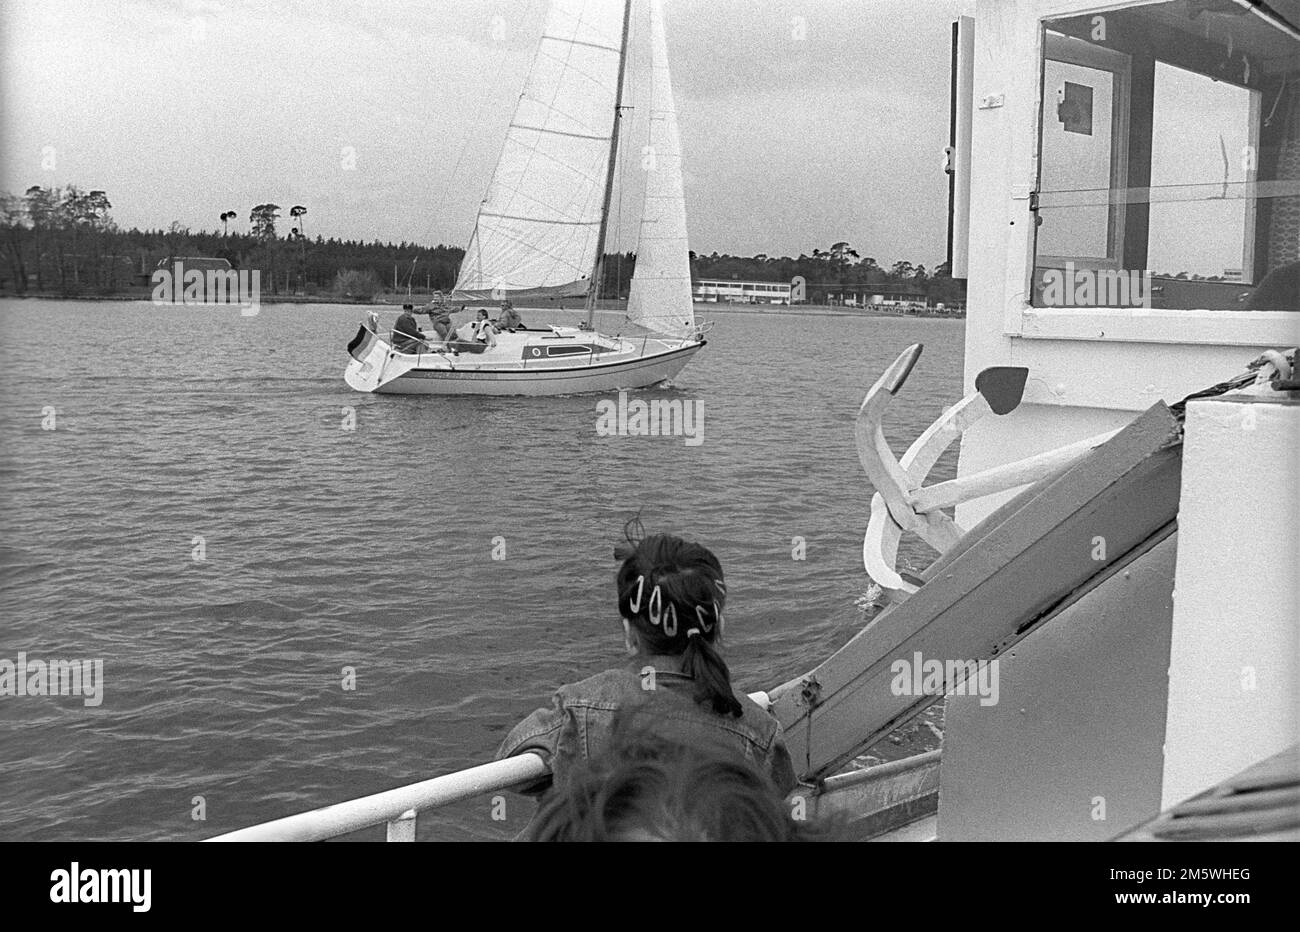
672, 593
655, 788
1278, 291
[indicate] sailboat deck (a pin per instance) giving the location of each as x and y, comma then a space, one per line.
529, 351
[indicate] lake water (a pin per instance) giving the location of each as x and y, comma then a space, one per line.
183, 432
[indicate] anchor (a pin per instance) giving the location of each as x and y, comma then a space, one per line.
902, 502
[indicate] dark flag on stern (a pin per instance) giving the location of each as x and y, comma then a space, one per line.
361, 343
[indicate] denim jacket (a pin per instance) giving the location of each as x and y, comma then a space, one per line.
579, 724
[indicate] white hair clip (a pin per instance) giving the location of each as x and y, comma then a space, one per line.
653, 608
635, 605
691, 633
721, 586
670, 630
699, 615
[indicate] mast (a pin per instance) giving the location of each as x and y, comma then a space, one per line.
598, 272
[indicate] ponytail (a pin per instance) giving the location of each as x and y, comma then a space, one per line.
705, 665
672, 592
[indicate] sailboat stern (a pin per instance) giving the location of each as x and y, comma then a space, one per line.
371, 354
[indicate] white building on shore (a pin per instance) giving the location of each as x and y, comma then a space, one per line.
738, 292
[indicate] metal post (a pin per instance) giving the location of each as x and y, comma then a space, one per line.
598, 273
403, 827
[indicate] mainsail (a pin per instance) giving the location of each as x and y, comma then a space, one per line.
660, 296
537, 227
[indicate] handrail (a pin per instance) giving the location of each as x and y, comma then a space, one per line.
399, 807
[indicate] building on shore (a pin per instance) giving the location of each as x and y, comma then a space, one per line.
893, 298
882, 296
738, 292
201, 264
198, 278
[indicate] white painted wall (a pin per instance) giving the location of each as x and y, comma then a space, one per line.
1237, 604
1234, 665
1071, 750
1089, 369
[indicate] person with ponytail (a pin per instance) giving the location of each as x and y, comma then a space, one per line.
671, 598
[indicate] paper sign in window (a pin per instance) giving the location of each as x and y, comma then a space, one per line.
1075, 109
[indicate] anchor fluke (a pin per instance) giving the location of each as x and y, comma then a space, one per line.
1003, 387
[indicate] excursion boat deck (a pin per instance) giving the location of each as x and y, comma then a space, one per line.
1120, 539
1030, 573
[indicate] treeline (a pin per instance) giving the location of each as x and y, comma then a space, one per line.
64, 241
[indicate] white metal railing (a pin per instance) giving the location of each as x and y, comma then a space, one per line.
400, 808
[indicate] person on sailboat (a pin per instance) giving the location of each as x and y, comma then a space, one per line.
670, 596
439, 317
509, 318
483, 330
407, 337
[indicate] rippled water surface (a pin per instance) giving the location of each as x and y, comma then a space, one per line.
179, 430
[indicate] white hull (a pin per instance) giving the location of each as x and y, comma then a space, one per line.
522, 364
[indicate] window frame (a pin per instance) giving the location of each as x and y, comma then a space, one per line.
1197, 326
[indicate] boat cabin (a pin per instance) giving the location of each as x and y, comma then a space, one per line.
1127, 213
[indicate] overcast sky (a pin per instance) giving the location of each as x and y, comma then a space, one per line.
182, 109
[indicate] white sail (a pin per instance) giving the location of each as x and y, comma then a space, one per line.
660, 296
537, 227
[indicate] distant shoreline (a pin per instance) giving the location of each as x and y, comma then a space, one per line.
396, 301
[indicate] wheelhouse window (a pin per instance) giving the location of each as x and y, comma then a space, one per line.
1169, 158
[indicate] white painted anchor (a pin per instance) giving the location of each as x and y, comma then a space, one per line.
902, 503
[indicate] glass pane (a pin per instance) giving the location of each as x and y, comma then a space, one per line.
1201, 131
1170, 159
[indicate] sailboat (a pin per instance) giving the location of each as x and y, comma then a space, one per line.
541, 233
